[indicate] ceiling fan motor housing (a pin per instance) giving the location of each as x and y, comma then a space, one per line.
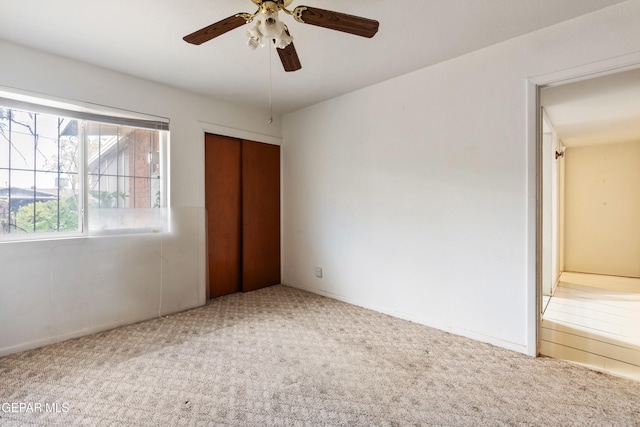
282, 3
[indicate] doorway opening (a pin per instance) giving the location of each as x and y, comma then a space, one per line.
589, 222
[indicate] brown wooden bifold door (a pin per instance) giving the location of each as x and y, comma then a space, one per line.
242, 199
260, 215
223, 202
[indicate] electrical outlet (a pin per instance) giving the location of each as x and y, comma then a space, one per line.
319, 272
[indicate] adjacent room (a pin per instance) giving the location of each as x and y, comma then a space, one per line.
270, 220
591, 248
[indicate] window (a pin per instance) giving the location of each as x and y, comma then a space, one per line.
63, 171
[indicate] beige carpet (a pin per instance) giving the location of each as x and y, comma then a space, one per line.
281, 356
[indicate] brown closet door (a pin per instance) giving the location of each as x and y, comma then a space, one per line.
223, 204
261, 215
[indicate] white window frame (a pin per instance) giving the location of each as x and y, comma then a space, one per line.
84, 112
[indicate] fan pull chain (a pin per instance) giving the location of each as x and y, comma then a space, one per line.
270, 89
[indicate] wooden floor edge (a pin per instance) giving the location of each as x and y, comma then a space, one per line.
589, 360
614, 283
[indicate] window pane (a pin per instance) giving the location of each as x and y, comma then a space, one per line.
126, 151
109, 143
142, 151
54, 212
125, 175
4, 138
93, 187
105, 192
22, 150
37, 209
4, 202
124, 188
22, 183
157, 198
47, 154
46, 183
93, 151
23, 122
4, 120
142, 195
50, 205
4, 153
69, 160
22, 198
47, 126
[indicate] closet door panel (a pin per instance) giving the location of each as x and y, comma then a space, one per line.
260, 215
223, 204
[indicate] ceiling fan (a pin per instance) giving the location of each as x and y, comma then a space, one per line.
269, 27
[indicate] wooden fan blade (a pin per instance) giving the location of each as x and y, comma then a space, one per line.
215, 30
289, 58
336, 21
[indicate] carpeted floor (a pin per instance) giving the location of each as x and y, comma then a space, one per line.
285, 357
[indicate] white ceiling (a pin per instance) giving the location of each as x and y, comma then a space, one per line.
144, 38
602, 110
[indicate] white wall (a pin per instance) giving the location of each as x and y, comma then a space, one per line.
417, 196
52, 290
602, 200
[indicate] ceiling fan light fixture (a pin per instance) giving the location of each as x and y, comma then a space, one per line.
268, 26
253, 43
